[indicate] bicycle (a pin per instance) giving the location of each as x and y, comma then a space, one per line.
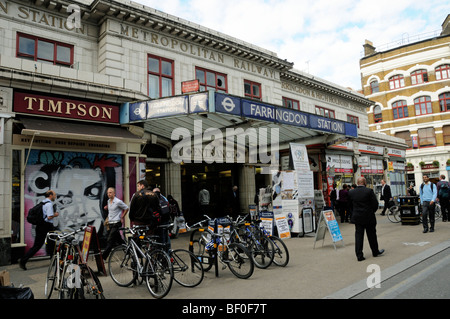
232, 255
281, 252
260, 246
129, 261
394, 212
74, 279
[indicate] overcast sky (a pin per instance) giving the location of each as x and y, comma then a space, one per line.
322, 37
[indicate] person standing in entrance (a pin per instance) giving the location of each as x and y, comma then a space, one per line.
386, 196
203, 200
443, 191
42, 229
117, 210
235, 202
364, 205
428, 194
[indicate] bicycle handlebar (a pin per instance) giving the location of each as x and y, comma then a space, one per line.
60, 235
198, 223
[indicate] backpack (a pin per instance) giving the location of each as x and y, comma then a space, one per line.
421, 186
36, 214
443, 190
165, 210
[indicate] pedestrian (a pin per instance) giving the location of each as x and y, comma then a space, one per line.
173, 207
163, 233
386, 196
364, 205
203, 200
443, 191
333, 198
234, 202
343, 203
42, 229
117, 210
428, 194
411, 191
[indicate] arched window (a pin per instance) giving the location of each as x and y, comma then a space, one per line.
419, 77
374, 86
443, 72
377, 116
396, 82
423, 105
400, 109
444, 102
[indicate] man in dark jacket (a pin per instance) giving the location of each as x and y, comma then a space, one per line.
364, 204
386, 196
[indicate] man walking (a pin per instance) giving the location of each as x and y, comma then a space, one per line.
42, 229
386, 196
443, 191
364, 204
203, 200
428, 194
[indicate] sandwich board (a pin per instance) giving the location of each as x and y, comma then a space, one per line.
328, 221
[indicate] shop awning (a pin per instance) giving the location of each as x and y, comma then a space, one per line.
77, 131
222, 111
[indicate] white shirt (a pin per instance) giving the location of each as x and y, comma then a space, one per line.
115, 209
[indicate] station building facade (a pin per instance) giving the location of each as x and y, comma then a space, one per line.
70, 75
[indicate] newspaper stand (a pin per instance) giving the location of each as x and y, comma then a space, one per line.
409, 210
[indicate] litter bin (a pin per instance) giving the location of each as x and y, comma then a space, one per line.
409, 210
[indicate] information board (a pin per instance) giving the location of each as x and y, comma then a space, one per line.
328, 221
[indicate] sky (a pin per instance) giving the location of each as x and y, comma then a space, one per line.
322, 37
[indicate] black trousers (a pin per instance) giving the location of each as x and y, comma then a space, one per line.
371, 232
427, 213
39, 240
114, 238
444, 208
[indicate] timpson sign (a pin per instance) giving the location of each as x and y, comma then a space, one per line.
64, 108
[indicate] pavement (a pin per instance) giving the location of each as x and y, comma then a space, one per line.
316, 270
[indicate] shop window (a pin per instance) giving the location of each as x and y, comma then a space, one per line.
353, 119
44, 50
252, 90
377, 116
444, 102
210, 80
446, 134
160, 77
400, 109
325, 112
443, 72
419, 77
427, 137
374, 86
423, 105
291, 104
406, 135
396, 82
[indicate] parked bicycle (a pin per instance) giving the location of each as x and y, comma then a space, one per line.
130, 261
211, 247
394, 212
68, 273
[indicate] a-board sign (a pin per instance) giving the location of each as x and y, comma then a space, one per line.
91, 242
328, 221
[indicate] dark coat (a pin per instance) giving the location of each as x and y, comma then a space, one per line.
364, 204
387, 193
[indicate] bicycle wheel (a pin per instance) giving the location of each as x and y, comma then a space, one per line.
122, 266
262, 252
187, 269
90, 286
394, 214
158, 273
281, 253
51, 277
239, 260
205, 256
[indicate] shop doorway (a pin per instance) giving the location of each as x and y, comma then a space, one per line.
218, 180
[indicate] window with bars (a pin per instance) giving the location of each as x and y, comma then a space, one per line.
444, 102
160, 77
419, 77
210, 80
423, 105
44, 50
252, 90
396, 82
291, 104
325, 112
400, 109
427, 137
443, 72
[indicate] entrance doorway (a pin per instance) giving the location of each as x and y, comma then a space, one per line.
218, 179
